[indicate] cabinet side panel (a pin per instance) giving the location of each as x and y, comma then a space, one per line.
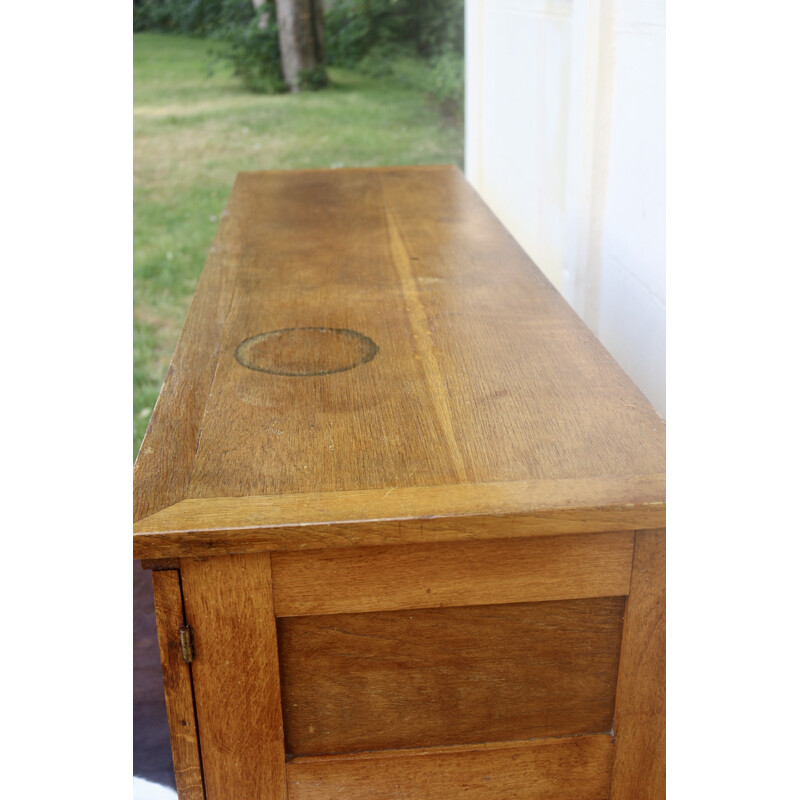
640, 721
177, 686
236, 681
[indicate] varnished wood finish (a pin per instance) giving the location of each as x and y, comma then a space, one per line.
377, 392
483, 375
405, 515
177, 686
229, 605
164, 465
640, 721
449, 676
361, 579
577, 768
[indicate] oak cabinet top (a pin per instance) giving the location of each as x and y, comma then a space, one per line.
370, 358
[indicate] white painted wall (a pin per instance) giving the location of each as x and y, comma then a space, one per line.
565, 140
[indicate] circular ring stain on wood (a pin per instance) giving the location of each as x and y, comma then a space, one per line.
306, 352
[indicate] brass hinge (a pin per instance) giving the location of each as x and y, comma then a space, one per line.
187, 643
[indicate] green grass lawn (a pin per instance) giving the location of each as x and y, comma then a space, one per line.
194, 128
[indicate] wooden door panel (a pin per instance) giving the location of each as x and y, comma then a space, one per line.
448, 676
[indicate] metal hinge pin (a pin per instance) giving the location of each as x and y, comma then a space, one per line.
187, 643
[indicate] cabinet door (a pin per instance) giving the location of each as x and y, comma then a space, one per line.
177, 685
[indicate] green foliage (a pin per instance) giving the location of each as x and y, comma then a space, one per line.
314, 79
440, 78
199, 17
381, 61
446, 82
441, 27
256, 56
233, 24
373, 36
348, 34
428, 27
418, 41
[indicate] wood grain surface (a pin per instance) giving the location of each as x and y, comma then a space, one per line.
640, 719
482, 374
466, 512
577, 768
177, 686
360, 579
164, 464
228, 602
449, 676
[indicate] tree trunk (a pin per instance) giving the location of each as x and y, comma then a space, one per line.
302, 45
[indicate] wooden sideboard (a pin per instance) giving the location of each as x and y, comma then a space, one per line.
405, 514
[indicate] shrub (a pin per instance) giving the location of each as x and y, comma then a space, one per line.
420, 42
255, 55
179, 16
348, 35
428, 27
314, 79
382, 59
441, 27
199, 17
446, 82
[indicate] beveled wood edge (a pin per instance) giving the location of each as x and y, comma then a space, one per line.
410, 515
450, 749
161, 475
406, 503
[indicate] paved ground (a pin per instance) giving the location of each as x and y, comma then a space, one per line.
144, 790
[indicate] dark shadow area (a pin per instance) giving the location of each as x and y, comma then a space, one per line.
152, 754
